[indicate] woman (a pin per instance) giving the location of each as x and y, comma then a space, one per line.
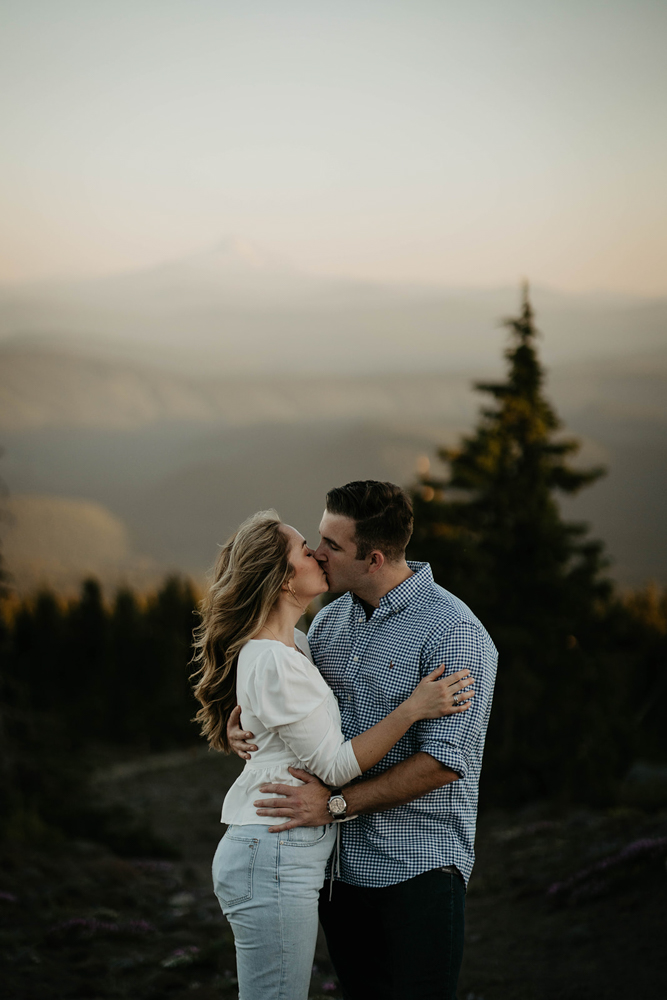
249, 651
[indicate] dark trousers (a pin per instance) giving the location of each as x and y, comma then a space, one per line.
399, 942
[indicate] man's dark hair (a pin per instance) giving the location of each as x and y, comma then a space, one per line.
382, 512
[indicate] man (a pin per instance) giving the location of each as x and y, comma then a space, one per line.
394, 922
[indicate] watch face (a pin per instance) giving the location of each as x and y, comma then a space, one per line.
337, 804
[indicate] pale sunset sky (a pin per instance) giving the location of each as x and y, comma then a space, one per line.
462, 143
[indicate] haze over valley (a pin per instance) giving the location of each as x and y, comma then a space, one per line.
144, 416
238, 309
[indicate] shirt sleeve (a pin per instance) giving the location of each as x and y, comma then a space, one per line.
455, 740
319, 744
291, 699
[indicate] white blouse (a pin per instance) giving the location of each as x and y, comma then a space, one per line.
294, 716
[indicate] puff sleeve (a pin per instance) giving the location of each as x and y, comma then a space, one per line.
290, 697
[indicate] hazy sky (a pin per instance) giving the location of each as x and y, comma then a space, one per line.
453, 141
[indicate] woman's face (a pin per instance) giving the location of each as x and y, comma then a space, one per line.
309, 578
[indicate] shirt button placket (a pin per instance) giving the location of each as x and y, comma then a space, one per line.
354, 664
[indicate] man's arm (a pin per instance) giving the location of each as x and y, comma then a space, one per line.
306, 805
405, 781
445, 745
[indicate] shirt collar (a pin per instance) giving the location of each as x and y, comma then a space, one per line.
411, 589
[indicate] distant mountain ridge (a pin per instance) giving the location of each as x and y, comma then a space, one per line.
238, 309
174, 462
47, 388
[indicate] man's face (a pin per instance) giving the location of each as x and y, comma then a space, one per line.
337, 553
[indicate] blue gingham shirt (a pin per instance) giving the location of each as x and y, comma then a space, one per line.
372, 666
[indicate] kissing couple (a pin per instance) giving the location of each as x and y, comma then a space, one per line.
367, 736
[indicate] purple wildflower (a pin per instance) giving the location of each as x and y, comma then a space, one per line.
591, 881
328, 987
88, 927
137, 927
589, 890
85, 926
181, 956
8, 897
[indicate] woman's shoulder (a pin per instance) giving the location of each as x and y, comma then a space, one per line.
268, 656
301, 640
280, 683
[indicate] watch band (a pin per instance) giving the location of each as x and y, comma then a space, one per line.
336, 805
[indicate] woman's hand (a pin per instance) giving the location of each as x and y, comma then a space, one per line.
436, 695
238, 737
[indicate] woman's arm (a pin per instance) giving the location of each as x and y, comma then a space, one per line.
317, 741
370, 747
432, 698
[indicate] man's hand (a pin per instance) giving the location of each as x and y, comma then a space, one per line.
303, 805
237, 737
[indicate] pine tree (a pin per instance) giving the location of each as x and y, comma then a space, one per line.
494, 535
170, 619
4, 575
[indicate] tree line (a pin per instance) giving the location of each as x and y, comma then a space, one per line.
82, 675
582, 679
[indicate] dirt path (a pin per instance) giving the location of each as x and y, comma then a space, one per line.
607, 942
78, 922
180, 795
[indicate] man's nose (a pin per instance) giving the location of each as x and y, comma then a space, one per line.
319, 554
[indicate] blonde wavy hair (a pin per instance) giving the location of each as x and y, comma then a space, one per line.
251, 569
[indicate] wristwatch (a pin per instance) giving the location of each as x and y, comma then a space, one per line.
337, 806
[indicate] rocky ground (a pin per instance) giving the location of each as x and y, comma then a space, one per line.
560, 907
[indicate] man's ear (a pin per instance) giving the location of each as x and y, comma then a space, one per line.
376, 561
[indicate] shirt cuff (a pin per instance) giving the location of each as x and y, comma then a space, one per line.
447, 754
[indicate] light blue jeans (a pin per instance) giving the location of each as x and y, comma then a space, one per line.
268, 887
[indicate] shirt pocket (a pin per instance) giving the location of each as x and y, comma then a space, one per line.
389, 680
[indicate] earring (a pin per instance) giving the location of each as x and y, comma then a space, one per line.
298, 602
